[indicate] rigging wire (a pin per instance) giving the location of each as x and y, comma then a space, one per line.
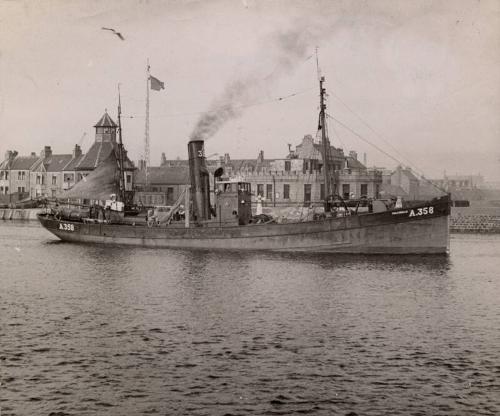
408, 161
221, 107
380, 149
364, 140
337, 136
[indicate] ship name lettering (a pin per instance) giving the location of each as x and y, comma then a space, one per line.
66, 227
421, 211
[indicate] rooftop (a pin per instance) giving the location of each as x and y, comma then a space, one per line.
20, 163
106, 121
53, 163
97, 153
178, 175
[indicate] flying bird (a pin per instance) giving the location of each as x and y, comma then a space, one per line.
115, 32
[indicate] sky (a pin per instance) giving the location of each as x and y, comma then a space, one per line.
410, 82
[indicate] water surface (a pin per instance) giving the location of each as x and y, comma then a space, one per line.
101, 330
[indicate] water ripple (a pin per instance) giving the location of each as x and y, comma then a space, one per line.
92, 330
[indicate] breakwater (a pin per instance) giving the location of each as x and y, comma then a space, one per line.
13, 214
475, 219
475, 223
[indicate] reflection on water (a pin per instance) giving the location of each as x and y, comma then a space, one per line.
119, 330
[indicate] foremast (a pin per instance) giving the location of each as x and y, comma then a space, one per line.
146, 127
120, 149
327, 168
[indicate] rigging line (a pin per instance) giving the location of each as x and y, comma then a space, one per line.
381, 150
276, 99
416, 168
408, 161
337, 135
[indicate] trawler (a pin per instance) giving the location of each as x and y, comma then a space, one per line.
221, 217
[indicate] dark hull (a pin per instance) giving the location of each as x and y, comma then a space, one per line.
422, 229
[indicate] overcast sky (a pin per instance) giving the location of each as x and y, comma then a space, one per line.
419, 79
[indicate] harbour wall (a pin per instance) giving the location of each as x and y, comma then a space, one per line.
478, 218
13, 214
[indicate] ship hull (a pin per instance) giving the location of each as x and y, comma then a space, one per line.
420, 230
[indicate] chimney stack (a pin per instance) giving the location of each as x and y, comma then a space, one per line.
77, 151
46, 152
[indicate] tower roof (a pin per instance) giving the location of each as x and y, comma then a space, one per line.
106, 121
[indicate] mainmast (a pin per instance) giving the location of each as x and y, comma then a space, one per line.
326, 145
146, 133
120, 149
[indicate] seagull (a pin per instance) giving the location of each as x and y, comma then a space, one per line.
115, 32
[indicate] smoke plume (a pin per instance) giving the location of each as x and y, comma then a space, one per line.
282, 52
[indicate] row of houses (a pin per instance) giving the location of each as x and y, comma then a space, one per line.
47, 174
295, 179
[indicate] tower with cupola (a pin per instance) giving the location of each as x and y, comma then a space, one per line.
105, 129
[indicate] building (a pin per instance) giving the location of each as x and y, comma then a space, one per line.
295, 179
460, 182
105, 142
15, 176
49, 174
299, 178
161, 186
401, 182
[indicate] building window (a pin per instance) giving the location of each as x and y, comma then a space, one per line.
53, 193
6, 190
288, 166
1, 189
346, 190
54, 180
364, 189
307, 192
170, 194
322, 191
269, 191
43, 179
19, 175
286, 191
38, 179
260, 189
129, 178
1, 174
377, 190
6, 175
